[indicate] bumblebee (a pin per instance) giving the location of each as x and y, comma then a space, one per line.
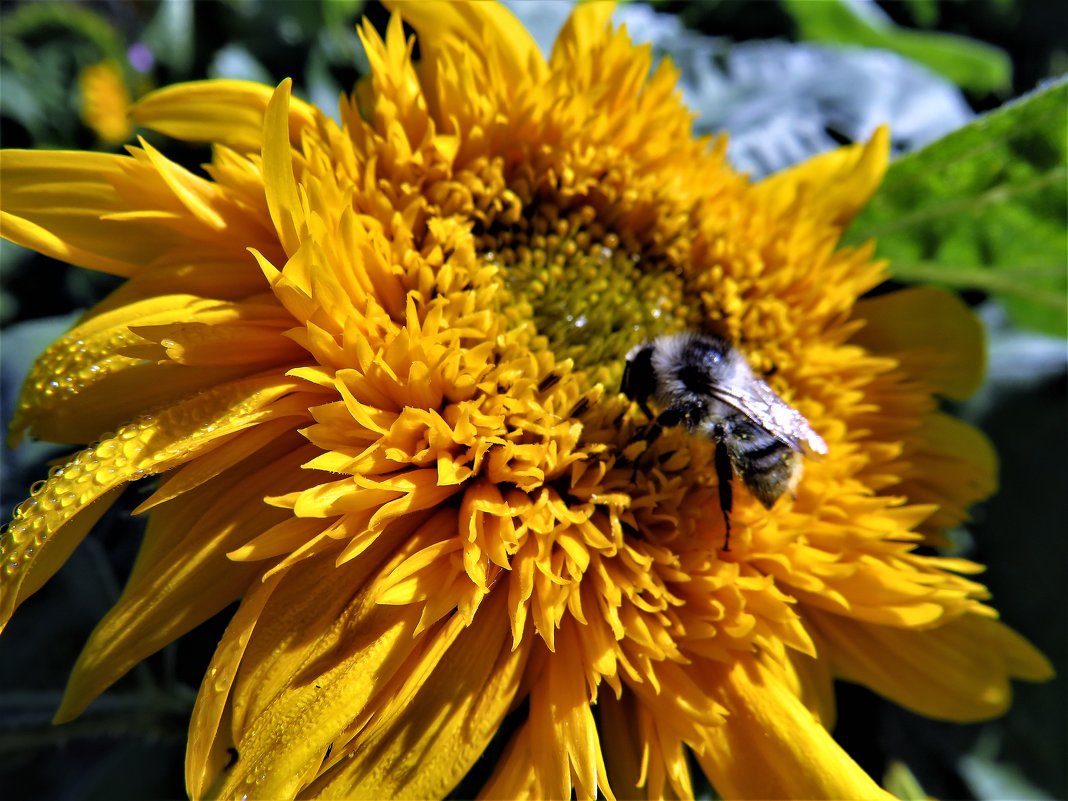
702, 382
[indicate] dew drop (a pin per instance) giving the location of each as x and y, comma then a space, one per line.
105, 476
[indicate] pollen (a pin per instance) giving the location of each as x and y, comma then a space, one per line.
590, 294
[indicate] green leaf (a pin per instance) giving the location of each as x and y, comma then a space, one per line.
984, 208
901, 782
969, 64
28, 19
923, 12
341, 13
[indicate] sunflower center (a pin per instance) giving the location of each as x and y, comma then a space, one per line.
591, 294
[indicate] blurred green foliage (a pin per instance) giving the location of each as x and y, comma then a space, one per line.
44, 46
42, 49
968, 63
901, 783
923, 12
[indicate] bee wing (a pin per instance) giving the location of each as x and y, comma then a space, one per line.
757, 401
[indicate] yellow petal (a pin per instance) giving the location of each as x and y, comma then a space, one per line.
30, 559
100, 388
393, 79
430, 731
771, 746
219, 461
287, 537
280, 184
284, 743
931, 332
255, 344
950, 464
513, 777
53, 202
810, 679
565, 745
210, 278
48, 525
189, 578
195, 193
210, 734
125, 395
486, 27
958, 672
120, 214
305, 620
227, 112
586, 28
832, 186
644, 760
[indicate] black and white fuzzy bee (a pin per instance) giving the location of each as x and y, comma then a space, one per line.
701, 382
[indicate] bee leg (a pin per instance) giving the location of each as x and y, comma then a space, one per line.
724, 474
650, 434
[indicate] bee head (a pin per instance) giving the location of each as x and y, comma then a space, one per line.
639, 377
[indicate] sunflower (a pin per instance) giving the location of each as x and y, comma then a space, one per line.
373, 371
105, 102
